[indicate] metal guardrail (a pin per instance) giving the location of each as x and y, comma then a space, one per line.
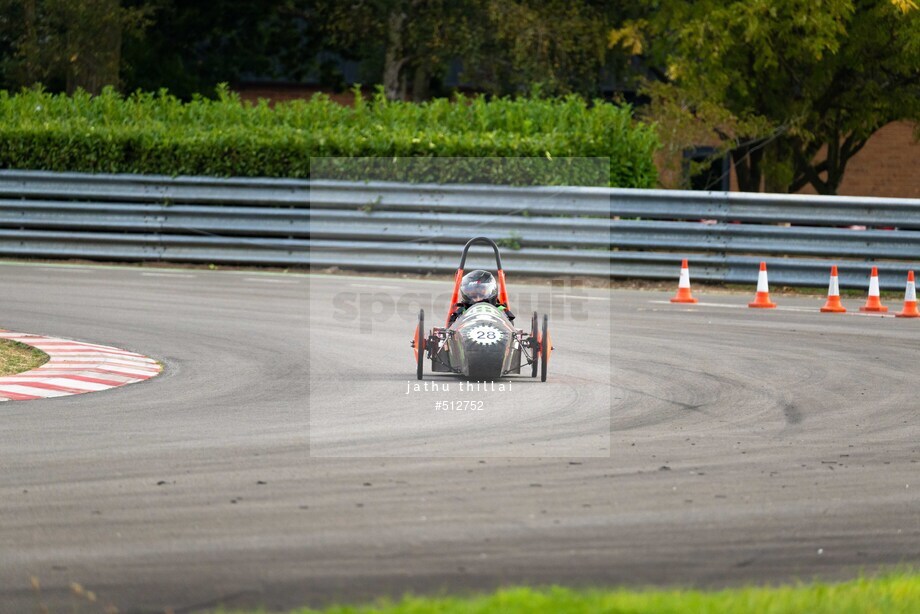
547, 230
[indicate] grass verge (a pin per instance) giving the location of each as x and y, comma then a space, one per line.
891, 593
17, 357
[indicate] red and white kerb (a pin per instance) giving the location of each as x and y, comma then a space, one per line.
74, 367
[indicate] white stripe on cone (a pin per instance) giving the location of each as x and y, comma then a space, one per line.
910, 292
684, 281
834, 288
762, 285
873, 286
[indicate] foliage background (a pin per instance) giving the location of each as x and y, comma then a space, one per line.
788, 90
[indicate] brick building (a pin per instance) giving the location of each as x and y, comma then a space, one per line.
888, 165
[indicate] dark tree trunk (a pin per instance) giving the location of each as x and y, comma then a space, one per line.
394, 81
420, 83
31, 71
808, 171
94, 46
748, 161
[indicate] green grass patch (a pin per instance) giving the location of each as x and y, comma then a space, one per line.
892, 593
17, 357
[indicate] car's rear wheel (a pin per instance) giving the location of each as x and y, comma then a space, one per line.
534, 345
545, 348
420, 343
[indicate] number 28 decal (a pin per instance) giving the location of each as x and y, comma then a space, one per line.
485, 335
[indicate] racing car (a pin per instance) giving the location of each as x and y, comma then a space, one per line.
480, 341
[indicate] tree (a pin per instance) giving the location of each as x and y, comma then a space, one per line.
413, 40
872, 80
500, 46
554, 46
76, 42
777, 81
193, 45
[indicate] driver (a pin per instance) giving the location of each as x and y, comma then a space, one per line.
478, 287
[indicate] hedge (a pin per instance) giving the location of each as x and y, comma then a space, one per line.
159, 134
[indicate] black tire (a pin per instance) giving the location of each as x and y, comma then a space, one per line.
544, 354
534, 348
420, 343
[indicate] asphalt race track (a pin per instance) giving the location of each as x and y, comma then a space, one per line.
744, 446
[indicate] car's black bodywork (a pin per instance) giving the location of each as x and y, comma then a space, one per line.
482, 343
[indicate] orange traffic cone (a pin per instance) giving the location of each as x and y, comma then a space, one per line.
910, 299
873, 303
833, 295
762, 300
683, 286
